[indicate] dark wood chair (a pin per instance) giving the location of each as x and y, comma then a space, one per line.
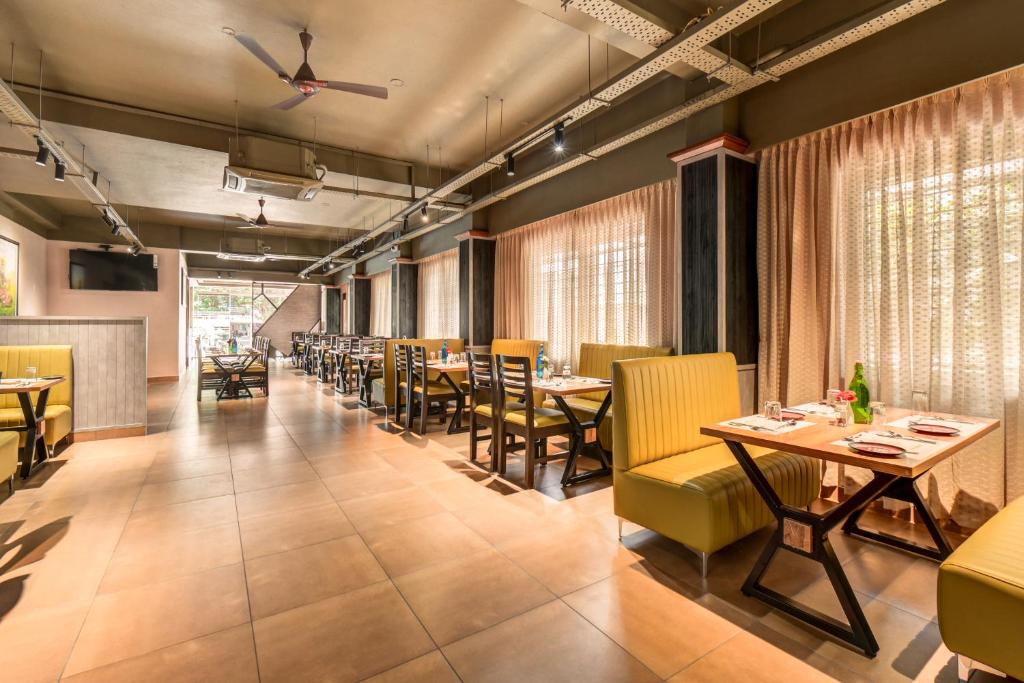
481, 406
533, 423
425, 391
402, 389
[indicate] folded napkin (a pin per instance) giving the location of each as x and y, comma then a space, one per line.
819, 409
759, 423
965, 427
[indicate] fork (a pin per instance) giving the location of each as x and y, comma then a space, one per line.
894, 435
756, 428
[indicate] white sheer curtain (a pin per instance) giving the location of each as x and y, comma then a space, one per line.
438, 296
380, 304
602, 273
921, 221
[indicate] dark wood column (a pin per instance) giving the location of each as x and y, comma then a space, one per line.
359, 304
717, 278
404, 285
476, 287
332, 304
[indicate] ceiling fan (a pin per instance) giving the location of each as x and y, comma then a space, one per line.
304, 80
259, 222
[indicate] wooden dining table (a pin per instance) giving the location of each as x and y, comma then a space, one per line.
34, 451
365, 363
445, 372
805, 532
232, 367
587, 441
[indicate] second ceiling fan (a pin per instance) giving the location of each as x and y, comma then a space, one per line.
304, 80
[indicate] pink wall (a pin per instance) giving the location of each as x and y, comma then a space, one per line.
31, 267
166, 334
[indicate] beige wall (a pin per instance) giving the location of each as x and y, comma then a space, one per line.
165, 348
31, 267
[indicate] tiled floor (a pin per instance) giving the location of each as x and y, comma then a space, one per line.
296, 539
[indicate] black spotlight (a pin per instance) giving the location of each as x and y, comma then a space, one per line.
423, 213
134, 250
559, 136
510, 164
115, 229
58, 172
43, 154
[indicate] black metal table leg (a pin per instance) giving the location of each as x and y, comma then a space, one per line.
455, 424
581, 446
806, 533
34, 451
365, 387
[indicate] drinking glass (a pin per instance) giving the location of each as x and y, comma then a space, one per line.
773, 410
921, 402
30, 373
877, 409
843, 413
831, 396
566, 372
433, 355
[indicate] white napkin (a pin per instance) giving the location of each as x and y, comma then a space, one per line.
876, 437
759, 423
820, 409
966, 428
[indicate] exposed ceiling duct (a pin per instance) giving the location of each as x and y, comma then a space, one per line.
23, 118
863, 26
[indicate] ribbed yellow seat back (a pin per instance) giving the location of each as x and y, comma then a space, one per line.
661, 403
596, 361
517, 347
47, 360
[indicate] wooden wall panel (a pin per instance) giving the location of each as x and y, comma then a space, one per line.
359, 305
698, 187
109, 354
741, 259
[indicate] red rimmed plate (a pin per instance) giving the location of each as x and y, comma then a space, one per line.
876, 449
933, 429
792, 415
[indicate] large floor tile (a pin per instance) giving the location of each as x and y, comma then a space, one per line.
458, 598
345, 638
35, 647
414, 544
432, 667
549, 643
283, 531
184, 490
745, 657
297, 577
226, 657
390, 508
282, 498
181, 517
366, 483
136, 621
273, 475
187, 469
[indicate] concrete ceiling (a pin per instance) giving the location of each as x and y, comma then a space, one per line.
173, 57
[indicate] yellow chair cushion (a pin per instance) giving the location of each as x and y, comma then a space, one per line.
981, 594
58, 422
433, 388
454, 346
47, 360
703, 498
8, 454
542, 417
487, 410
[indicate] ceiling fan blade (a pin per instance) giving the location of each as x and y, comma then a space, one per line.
358, 88
257, 50
291, 102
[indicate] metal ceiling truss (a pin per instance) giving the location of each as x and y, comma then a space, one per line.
23, 118
695, 38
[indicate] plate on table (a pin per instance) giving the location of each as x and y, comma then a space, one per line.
52, 377
933, 429
876, 449
792, 415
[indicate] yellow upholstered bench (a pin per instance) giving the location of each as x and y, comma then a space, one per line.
981, 595
670, 478
383, 387
8, 458
47, 360
596, 361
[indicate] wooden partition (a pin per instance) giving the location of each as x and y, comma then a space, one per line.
109, 368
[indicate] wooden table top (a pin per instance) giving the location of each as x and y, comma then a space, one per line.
9, 387
572, 387
448, 367
816, 441
368, 356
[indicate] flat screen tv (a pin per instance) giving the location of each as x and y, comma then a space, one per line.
112, 271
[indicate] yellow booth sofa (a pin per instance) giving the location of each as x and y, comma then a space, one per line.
383, 387
596, 361
47, 360
981, 596
8, 458
673, 480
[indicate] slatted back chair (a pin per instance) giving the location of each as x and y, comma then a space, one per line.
533, 423
257, 375
402, 389
371, 345
426, 391
209, 375
482, 408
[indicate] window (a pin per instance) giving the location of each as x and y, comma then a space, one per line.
380, 304
439, 296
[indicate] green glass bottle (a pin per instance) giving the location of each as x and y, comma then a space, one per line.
860, 405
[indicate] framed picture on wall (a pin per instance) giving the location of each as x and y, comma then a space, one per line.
8, 277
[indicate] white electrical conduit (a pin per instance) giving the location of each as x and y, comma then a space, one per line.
878, 19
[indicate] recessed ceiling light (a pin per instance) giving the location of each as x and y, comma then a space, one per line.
396, 82
227, 30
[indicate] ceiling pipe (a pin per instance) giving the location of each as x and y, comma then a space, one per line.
847, 33
731, 15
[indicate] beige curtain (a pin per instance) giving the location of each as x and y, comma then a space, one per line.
925, 209
380, 304
438, 295
602, 273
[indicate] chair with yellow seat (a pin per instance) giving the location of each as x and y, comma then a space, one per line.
535, 424
526, 348
9, 458
596, 361
47, 360
425, 390
483, 411
669, 477
402, 388
383, 385
981, 596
